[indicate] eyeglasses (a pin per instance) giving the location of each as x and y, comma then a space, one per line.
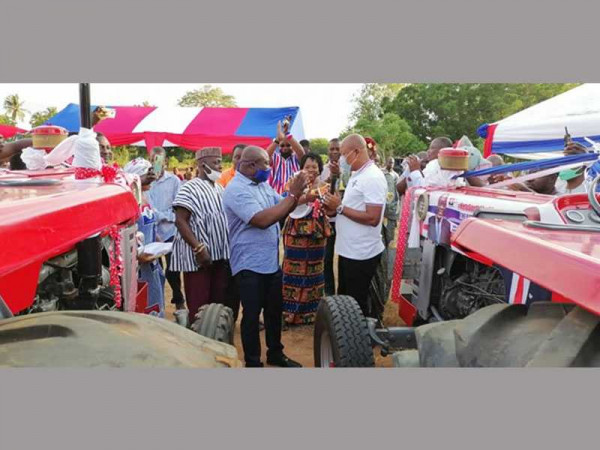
285, 146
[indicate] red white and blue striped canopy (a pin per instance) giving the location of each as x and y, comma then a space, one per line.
539, 130
191, 128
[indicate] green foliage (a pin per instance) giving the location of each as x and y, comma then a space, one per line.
38, 118
319, 145
392, 134
207, 96
14, 108
454, 110
173, 162
6, 120
121, 155
368, 102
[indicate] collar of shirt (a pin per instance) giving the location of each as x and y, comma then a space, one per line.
165, 177
244, 179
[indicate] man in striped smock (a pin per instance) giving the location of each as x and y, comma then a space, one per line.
201, 245
285, 154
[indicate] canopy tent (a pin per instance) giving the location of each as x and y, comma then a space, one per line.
539, 131
191, 128
8, 131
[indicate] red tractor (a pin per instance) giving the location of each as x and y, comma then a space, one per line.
485, 278
69, 291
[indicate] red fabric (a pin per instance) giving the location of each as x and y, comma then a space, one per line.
217, 121
8, 131
487, 148
109, 173
125, 121
405, 311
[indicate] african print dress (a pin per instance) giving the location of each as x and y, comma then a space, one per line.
304, 241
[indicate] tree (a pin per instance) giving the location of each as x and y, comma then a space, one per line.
207, 96
368, 102
14, 108
454, 110
6, 120
319, 146
40, 117
392, 134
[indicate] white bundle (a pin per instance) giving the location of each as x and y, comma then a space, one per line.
436, 176
36, 159
138, 166
87, 150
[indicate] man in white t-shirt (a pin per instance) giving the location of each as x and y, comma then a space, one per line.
358, 225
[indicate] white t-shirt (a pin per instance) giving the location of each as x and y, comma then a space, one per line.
355, 241
562, 188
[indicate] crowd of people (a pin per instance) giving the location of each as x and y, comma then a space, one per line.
227, 227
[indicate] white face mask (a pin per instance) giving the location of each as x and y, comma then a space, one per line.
212, 175
344, 164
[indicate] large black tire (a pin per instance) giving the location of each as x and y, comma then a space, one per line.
541, 334
341, 336
215, 321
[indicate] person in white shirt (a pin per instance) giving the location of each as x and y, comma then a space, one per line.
358, 224
572, 181
415, 175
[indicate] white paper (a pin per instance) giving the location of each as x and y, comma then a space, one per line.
158, 248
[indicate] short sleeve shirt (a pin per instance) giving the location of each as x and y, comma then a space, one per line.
208, 222
251, 248
391, 207
366, 186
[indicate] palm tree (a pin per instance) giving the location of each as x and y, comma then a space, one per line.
14, 107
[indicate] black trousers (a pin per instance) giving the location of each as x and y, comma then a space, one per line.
232, 295
355, 279
174, 280
260, 292
329, 255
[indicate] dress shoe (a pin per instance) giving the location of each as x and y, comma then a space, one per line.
283, 361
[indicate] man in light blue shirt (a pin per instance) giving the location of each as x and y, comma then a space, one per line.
161, 195
253, 212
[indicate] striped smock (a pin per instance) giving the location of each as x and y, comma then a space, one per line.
208, 222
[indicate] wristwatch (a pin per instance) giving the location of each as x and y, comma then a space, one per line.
339, 210
275, 141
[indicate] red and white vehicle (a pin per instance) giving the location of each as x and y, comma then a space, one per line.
55, 232
483, 277
57, 303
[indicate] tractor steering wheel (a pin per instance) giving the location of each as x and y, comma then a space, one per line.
592, 195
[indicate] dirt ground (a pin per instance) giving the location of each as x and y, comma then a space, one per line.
298, 340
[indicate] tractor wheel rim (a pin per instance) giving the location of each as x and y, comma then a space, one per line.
326, 351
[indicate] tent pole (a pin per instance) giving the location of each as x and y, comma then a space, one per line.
84, 105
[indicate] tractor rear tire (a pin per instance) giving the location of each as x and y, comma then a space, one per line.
541, 334
341, 337
215, 321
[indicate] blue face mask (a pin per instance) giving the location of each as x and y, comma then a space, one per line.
262, 175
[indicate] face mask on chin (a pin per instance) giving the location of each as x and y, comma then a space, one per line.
211, 174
